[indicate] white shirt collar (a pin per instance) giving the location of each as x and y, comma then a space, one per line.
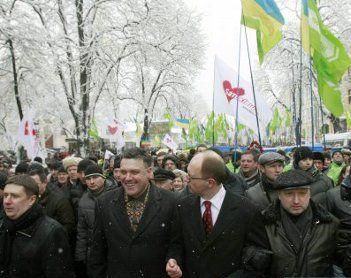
216, 200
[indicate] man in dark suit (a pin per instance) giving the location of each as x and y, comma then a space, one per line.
220, 233
133, 224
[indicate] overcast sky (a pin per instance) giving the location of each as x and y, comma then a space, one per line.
221, 25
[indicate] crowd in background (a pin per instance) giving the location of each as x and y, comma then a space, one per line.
63, 223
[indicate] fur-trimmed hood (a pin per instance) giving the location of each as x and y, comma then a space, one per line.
271, 214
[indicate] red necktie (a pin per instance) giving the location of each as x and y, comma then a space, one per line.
207, 217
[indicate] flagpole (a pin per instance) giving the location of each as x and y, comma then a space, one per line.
252, 84
322, 118
299, 122
213, 99
294, 88
237, 97
311, 95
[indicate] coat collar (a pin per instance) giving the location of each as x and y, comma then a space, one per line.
150, 212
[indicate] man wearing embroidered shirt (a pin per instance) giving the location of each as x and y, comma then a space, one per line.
219, 233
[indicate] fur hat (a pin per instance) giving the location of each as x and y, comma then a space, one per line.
70, 161
302, 153
294, 178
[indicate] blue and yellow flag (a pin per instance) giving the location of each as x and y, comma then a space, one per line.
265, 17
183, 123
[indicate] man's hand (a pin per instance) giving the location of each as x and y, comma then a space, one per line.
173, 269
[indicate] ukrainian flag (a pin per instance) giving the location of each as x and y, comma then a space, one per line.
265, 17
183, 123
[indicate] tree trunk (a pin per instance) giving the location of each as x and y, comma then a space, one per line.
145, 137
15, 79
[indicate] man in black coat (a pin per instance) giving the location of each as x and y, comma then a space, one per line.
219, 233
303, 235
32, 244
54, 203
133, 224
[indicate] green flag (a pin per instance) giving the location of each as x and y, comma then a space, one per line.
93, 131
348, 119
276, 121
287, 118
330, 59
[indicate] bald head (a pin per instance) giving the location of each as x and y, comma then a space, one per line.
211, 165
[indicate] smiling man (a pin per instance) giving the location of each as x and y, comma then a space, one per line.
133, 223
33, 245
301, 233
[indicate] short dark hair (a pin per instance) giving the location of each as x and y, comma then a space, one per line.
29, 184
38, 159
213, 166
41, 174
138, 153
201, 146
21, 168
254, 154
83, 164
170, 157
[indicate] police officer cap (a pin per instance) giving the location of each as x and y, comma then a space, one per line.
295, 178
270, 157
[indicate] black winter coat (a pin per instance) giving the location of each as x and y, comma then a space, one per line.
86, 221
237, 245
318, 251
59, 208
39, 251
119, 252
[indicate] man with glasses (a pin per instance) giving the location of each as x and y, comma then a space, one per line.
219, 232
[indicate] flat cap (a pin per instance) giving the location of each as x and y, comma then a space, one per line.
294, 178
270, 157
163, 174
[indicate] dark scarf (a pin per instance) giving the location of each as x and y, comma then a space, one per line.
296, 226
11, 227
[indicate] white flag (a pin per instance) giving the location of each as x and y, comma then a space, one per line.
27, 136
227, 93
169, 142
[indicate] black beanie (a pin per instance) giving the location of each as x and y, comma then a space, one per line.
93, 170
83, 164
300, 154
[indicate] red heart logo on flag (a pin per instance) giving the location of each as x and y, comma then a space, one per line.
112, 129
230, 92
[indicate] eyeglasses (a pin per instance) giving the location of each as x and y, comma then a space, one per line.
195, 178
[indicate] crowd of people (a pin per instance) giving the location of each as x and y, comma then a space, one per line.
201, 213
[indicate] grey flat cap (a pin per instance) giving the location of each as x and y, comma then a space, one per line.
294, 178
270, 157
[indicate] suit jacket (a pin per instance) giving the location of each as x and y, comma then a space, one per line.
119, 252
228, 249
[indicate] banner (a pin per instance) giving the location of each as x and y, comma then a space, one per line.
226, 95
169, 142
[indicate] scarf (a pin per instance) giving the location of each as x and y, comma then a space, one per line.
296, 226
11, 227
